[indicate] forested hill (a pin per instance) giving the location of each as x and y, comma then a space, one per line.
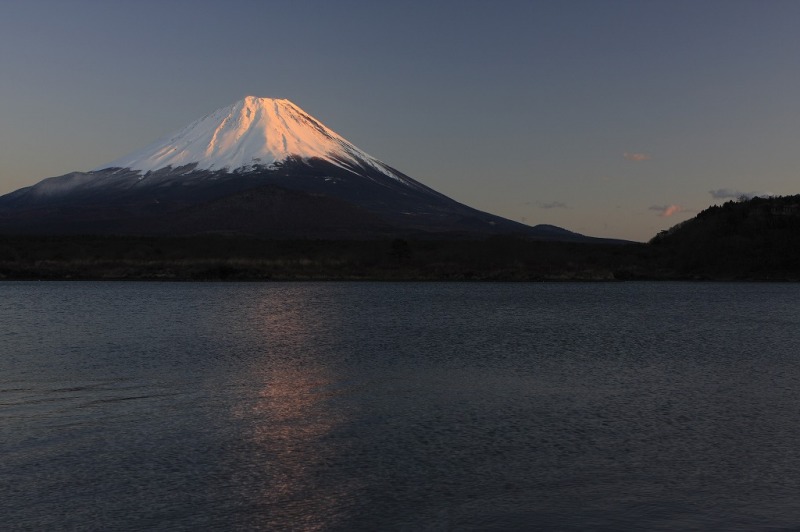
756, 238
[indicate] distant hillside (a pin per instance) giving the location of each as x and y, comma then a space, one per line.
757, 238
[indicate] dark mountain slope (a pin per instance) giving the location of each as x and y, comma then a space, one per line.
118, 201
271, 212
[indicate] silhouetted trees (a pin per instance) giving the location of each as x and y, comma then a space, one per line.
749, 238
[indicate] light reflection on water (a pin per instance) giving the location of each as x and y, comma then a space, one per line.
286, 423
285, 416
289, 417
399, 406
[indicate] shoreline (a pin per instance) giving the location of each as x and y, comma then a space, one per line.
251, 259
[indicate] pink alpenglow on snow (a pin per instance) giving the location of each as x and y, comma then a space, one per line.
249, 133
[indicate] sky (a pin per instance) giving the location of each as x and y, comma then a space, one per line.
609, 118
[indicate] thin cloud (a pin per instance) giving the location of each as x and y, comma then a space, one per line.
665, 211
636, 157
729, 193
551, 205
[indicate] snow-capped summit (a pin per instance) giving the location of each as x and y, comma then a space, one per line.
260, 166
253, 132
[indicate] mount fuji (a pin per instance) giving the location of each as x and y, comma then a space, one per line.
260, 167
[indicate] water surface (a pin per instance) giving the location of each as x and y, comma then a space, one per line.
407, 406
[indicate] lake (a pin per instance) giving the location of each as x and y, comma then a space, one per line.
399, 406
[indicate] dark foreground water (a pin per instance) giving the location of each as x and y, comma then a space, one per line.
399, 406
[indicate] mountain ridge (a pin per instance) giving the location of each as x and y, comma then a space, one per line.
253, 143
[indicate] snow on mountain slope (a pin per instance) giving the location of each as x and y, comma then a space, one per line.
223, 160
253, 132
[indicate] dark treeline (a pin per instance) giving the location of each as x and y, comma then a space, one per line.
757, 239
234, 258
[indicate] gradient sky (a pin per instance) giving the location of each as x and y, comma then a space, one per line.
610, 118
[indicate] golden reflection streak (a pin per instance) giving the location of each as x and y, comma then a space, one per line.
290, 416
